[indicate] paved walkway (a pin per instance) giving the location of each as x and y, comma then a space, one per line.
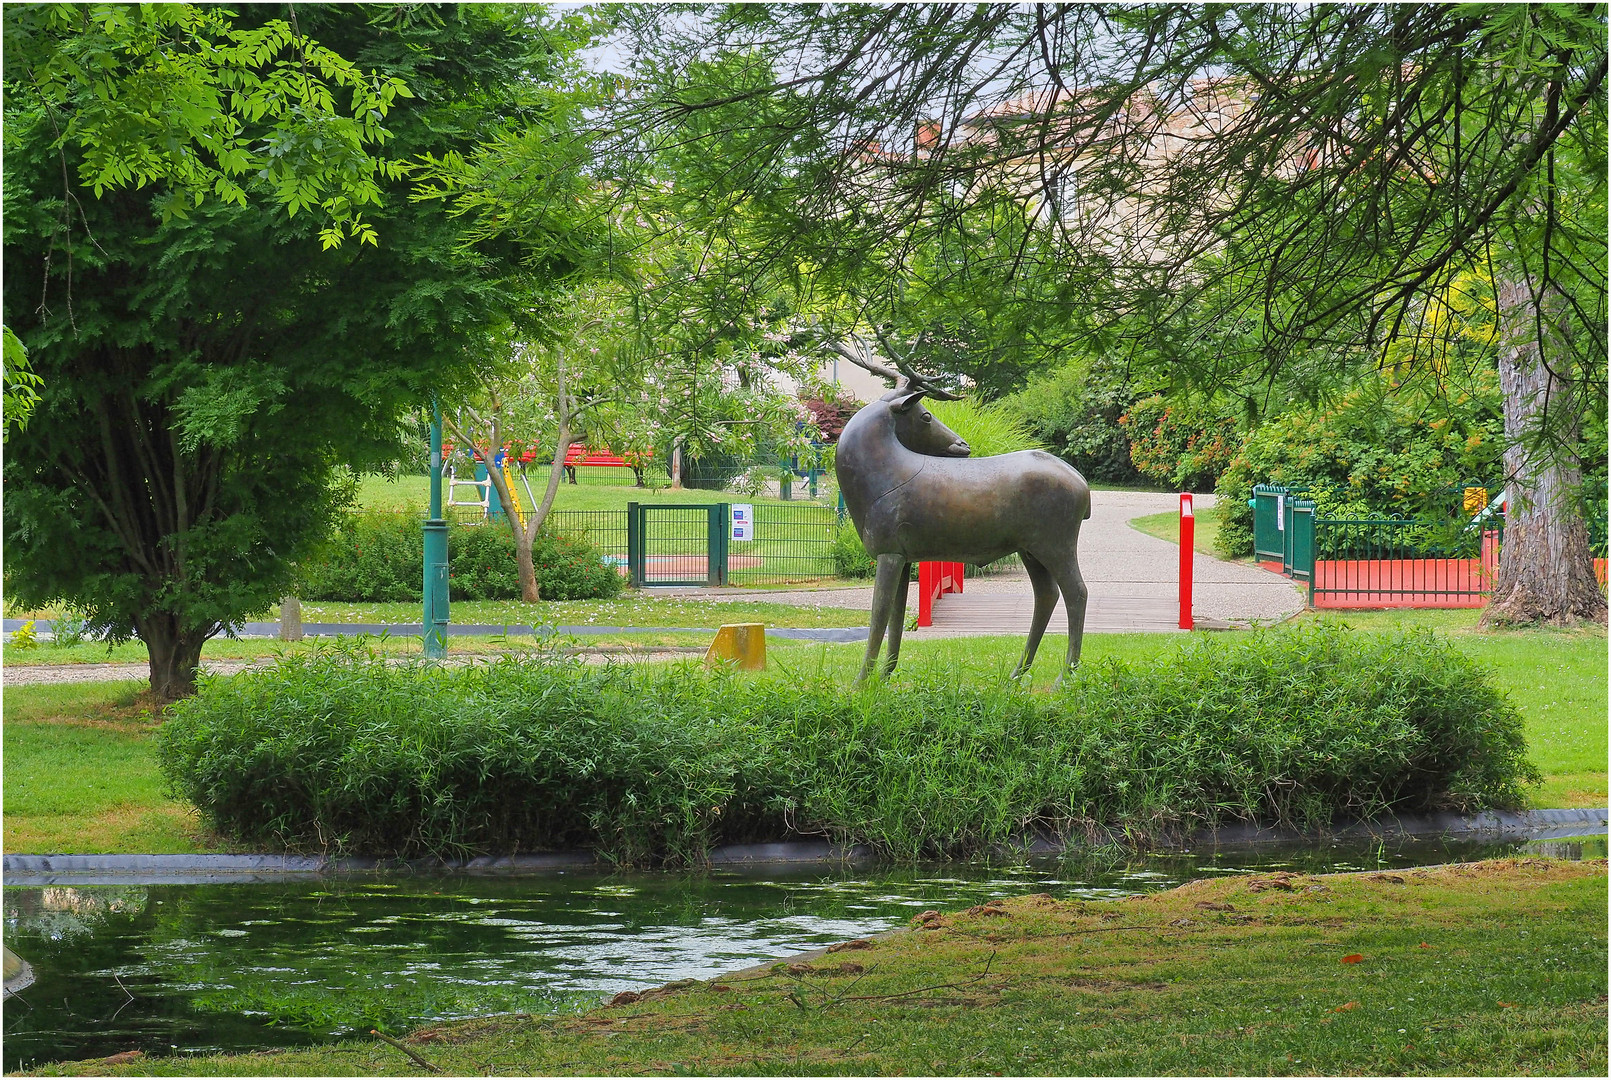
1133, 582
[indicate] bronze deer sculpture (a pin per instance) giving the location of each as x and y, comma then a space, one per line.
914, 494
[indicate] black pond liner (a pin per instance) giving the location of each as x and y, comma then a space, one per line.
1496, 826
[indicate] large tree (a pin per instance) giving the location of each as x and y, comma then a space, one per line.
1243, 194
178, 184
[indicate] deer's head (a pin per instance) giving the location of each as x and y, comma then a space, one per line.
918, 429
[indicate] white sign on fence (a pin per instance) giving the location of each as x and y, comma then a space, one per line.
743, 521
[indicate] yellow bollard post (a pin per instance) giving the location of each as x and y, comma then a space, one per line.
744, 643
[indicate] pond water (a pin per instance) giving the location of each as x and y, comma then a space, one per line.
200, 968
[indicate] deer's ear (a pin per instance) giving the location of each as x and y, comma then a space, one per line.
903, 401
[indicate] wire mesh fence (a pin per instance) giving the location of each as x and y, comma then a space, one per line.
790, 544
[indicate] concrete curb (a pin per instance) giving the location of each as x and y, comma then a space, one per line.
205, 869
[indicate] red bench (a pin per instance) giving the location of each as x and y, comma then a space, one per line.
578, 455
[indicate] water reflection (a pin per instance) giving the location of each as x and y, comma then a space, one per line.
196, 968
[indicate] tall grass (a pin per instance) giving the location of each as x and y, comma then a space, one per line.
340, 750
989, 428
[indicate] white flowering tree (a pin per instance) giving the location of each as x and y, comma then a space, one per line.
536, 396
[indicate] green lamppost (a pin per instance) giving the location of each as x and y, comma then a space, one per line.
435, 621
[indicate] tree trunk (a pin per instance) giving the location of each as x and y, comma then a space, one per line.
529, 591
175, 654
290, 618
539, 513
1546, 572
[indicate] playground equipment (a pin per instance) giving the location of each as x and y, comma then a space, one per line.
481, 483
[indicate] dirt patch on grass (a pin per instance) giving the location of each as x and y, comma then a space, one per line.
172, 830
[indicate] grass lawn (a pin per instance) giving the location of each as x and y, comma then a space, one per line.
413, 493
1166, 526
1494, 968
630, 609
1556, 679
81, 775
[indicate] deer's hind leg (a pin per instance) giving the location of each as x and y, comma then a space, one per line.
1045, 602
1074, 596
891, 576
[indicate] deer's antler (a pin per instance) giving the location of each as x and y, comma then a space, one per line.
865, 362
901, 374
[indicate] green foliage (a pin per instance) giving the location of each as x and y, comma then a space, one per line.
1074, 411
1368, 454
25, 636
67, 628
210, 376
21, 384
339, 748
1176, 446
850, 558
987, 427
379, 557
180, 97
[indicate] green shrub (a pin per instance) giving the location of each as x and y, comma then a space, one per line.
571, 568
1367, 453
1074, 412
850, 558
649, 765
988, 428
69, 628
379, 557
1177, 447
373, 557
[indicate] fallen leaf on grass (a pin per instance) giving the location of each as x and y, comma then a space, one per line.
1347, 1008
1353, 958
1423, 945
1279, 880
122, 1059
859, 943
1507, 1004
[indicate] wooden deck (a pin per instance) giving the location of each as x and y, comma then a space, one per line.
957, 614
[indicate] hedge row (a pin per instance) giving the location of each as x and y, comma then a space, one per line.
379, 558
653, 765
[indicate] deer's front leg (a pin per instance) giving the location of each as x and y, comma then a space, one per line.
890, 569
897, 617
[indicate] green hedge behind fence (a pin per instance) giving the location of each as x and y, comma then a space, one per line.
655, 765
378, 557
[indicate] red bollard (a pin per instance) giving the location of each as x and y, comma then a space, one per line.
1188, 529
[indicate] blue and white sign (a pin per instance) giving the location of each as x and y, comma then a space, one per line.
743, 521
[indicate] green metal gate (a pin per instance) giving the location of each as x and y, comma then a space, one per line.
677, 544
1298, 557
